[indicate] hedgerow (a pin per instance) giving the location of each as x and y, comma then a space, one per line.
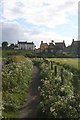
16, 76
58, 98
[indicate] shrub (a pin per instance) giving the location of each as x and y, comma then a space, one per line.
58, 100
16, 76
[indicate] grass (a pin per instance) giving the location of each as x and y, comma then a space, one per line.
75, 62
16, 76
10, 115
58, 99
0, 104
6, 53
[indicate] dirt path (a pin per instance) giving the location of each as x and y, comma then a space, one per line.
29, 110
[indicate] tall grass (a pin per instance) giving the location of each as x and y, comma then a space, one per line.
75, 62
16, 76
58, 99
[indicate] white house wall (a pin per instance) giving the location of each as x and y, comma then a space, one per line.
30, 46
21, 46
26, 46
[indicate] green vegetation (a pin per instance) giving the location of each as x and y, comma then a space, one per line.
60, 97
1, 104
0, 53
75, 62
7, 52
5, 44
60, 84
16, 76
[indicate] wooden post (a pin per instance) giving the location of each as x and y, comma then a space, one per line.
43, 58
51, 65
76, 84
55, 70
62, 76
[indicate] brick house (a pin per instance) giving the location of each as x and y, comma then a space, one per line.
52, 47
43, 47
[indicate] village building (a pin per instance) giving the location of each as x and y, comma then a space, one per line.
51, 47
26, 45
60, 45
43, 46
74, 48
75, 44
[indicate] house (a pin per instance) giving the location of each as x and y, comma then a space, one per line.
26, 45
11, 46
16, 47
75, 47
51, 47
75, 43
60, 45
43, 46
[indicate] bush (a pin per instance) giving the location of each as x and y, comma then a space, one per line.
57, 98
16, 75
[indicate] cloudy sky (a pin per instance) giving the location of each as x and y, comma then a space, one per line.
36, 20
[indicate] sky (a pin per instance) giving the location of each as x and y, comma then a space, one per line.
38, 20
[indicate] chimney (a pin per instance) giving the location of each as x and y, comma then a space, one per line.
41, 42
18, 42
72, 40
63, 41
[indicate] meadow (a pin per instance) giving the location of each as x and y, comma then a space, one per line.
74, 62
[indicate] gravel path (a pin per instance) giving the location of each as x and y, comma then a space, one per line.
29, 110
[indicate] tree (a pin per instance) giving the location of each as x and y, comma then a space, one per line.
4, 44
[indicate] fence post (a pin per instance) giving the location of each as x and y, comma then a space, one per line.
62, 76
55, 70
51, 65
76, 84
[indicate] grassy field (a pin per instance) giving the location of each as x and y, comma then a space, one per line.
75, 62
6, 53
13, 52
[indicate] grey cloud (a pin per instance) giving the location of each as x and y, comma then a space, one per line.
20, 4
12, 33
18, 8
66, 5
35, 32
16, 11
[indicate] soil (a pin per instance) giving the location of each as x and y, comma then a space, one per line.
29, 109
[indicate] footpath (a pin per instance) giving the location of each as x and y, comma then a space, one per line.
29, 109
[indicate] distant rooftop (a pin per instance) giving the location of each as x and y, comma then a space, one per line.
19, 42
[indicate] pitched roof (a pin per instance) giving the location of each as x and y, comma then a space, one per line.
76, 43
59, 43
25, 42
30, 43
22, 42
45, 44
